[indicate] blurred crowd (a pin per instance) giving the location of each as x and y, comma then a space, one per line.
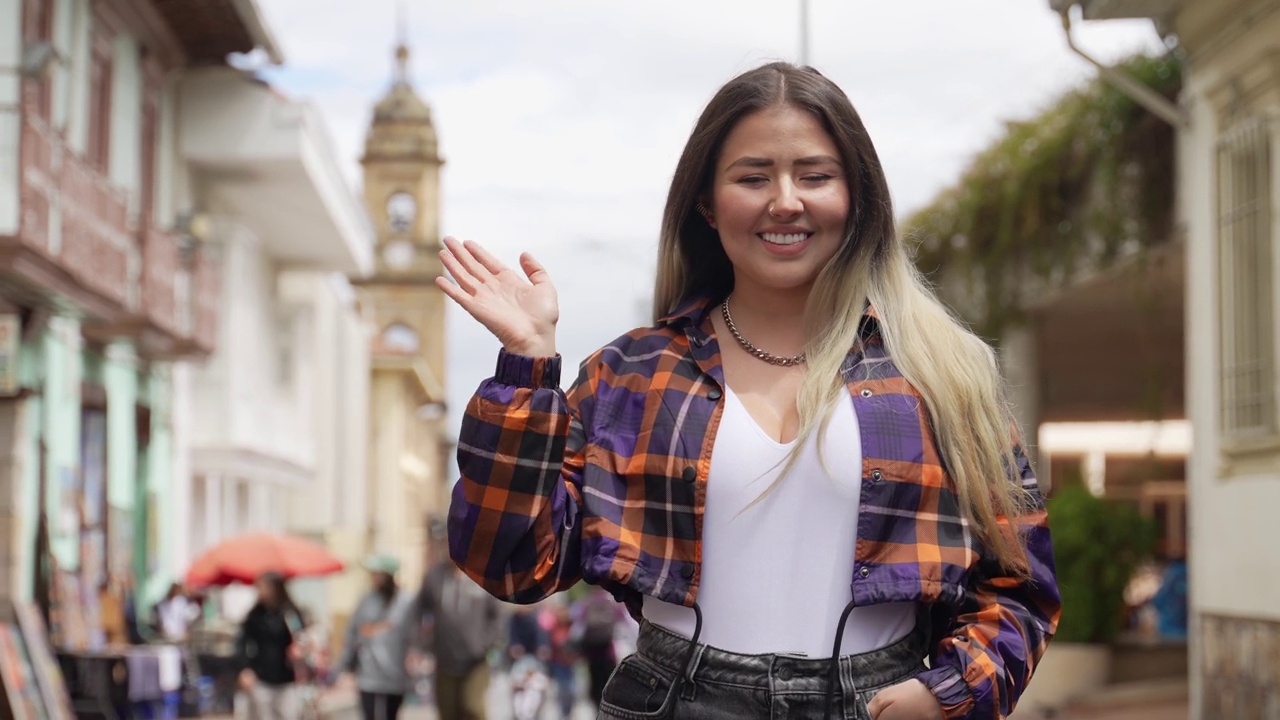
439, 644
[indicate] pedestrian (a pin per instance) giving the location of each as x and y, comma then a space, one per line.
804, 478
526, 637
466, 623
174, 615
266, 654
384, 628
564, 657
595, 629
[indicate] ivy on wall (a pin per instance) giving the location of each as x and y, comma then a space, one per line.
1085, 184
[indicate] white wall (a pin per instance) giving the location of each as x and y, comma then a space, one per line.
1232, 573
338, 385
126, 118
10, 52
244, 397
71, 104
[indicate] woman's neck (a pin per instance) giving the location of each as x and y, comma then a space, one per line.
770, 320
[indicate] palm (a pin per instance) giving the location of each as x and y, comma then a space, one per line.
521, 310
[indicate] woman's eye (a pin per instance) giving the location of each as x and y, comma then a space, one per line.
816, 178
752, 180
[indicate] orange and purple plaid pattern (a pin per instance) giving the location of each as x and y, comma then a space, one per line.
607, 483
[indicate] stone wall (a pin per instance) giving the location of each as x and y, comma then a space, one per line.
1240, 665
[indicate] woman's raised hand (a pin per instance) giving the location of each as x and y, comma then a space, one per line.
521, 311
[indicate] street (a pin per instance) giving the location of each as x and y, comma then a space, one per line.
499, 706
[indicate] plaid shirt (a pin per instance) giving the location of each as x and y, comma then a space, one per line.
608, 484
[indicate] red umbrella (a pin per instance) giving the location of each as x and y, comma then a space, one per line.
245, 558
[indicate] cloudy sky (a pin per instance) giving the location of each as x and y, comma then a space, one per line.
561, 120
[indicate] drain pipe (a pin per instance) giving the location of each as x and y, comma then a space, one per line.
1157, 104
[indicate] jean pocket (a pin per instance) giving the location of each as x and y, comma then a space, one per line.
637, 690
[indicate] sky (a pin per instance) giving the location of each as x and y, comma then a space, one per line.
561, 120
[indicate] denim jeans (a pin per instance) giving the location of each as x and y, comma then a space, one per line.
723, 685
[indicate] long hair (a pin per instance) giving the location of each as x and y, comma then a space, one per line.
279, 588
955, 371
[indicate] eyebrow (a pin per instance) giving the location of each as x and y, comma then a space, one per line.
767, 162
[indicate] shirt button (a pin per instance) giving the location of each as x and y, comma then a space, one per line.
876, 475
713, 394
690, 474
864, 571
866, 393
686, 572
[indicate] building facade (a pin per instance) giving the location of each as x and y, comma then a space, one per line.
106, 288
272, 442
1229, 210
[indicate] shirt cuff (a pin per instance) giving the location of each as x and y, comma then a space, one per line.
953, 693
527, 372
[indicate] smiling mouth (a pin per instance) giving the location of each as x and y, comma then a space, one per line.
784, 239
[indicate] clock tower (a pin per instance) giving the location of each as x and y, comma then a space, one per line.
408, 445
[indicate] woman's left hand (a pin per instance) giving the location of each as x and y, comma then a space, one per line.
909, 700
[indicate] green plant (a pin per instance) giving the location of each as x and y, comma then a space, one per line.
1082, 185
1097, 546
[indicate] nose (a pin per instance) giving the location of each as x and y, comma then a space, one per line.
787, 203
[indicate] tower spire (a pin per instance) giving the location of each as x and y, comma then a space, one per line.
402, 43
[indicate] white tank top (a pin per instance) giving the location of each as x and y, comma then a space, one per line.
776, 577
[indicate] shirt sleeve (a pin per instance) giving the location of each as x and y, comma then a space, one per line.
513, 519
984, 658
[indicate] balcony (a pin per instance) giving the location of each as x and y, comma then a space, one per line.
266, 161
73, 244
76, 249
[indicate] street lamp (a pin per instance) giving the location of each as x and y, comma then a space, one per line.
804, 32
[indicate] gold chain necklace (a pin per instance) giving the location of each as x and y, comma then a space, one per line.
757, 352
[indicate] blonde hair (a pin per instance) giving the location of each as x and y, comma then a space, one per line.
955, 371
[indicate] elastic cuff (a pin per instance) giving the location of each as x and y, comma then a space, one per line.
953, 693
527, 372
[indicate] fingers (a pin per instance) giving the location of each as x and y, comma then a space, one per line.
463, 253
454, 292
533, 269
460, 273
488, 261
877, 705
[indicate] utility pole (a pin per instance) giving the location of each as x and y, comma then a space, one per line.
804, 32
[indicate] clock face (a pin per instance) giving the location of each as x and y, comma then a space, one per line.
398, 254
401, 211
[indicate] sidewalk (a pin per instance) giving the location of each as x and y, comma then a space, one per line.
1153, 700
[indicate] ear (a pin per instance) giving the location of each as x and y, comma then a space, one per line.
706, 213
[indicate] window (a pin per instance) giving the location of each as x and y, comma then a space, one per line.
1246, 280
400, 338
42, 18
100, 78
148, 131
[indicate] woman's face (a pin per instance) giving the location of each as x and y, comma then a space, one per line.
267, 592
780, 200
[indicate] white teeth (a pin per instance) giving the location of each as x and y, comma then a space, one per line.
780, 239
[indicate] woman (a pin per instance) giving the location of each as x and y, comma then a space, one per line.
804, 478
383, 629
267, 654
174, 615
